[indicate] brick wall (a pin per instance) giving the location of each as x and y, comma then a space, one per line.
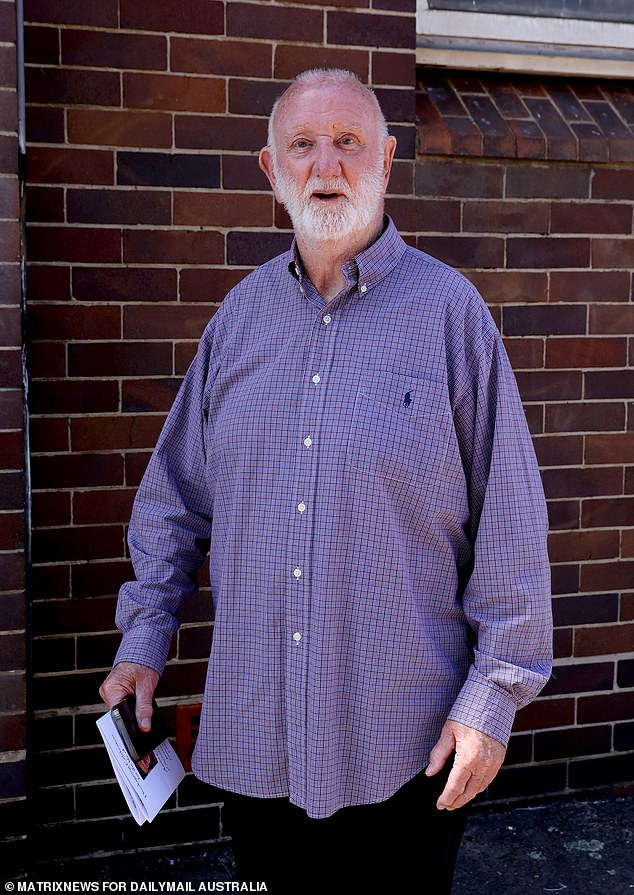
528, 185
145, 205
12, 527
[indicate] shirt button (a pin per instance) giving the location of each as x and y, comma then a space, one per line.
316, 378
301, 507
308, 441
297, 573
297, 636
327, 319
364, 288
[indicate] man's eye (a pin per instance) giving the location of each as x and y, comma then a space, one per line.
300, 144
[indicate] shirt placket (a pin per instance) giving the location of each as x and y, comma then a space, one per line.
301, 553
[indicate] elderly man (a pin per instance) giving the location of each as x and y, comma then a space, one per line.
350, 447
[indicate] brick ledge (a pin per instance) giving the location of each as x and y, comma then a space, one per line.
497, 116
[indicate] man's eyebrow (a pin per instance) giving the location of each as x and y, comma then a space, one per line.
306, 128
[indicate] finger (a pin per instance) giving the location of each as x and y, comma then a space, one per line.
455, 788
440, 753
144, 693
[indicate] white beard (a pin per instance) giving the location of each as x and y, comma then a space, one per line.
352, 213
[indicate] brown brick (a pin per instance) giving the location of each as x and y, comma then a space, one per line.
614, 576
54, 655
178, 93
525, 354
241, 133
114, 50
168, 169
13, 733
613, 183
275, 23
606, 513
184, 353
611, 448
9, 241
291, 59
86, 543
10, 327
222, 210
119, 359
100, 579
12, 574
77, 471
115, 433
566, 353
550, 385
589, 286
580, 678
208, 284
578, 417
465, 251
459, 180
365, 29
75, 12
127, 284
45, 204
591, 217
548, 181
627, 544
583, 483
612, 319
49, 435
11, 450
581, 546
615, 707
46, 282
69, 87
617, 253
51, 508
242, 172
247, 97
569, 743
559, 450
511, 286
44, 125
562, 643
190, 16
118, 207
145, 396
505, 217
172, 247
545, 713
41, 45
255, 248
414, 215
11, 531
12, 693
221, 57
588, 609
76, 322
563, 514
12, 490
547, 252
74, 244
11, 408
544, 320
609, 384
74, 397
102, 506
11, 368
115, 127
560, 141
164, 322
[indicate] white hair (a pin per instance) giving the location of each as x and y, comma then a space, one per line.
315, 77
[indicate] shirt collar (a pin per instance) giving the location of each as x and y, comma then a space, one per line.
368, 267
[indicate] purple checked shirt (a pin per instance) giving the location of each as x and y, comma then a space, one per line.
363, 478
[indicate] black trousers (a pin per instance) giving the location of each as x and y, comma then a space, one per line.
401, 845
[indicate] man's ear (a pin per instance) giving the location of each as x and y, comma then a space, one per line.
265, 160
388, 155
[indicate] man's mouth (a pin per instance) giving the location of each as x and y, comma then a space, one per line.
327, 197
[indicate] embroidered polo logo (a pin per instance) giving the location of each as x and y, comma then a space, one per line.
407, 400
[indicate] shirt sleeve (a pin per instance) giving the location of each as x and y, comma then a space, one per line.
506, 599
171, 522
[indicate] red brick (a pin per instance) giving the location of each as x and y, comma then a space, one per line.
291, 59
9, 198
547, 252
145, 396
222, 210
41, 45
583, 483
8, 110
275, 23
114, 50
10, 327
559, 450
113, 505
45, 204
592, 145
208, 284
583, 546
505, 217
178, 93
608, 512
584, 417
115, 432
160, 322
511, 286
62, 165
365, 29
465, 251
11, 450
75, 322
119, 359
414, 215
525, 354
241, 133
74, 397
75, 12
77, 470
118, 207
611, 183
434, 132
617, 253
534, 320
566, 353
13, 738
184, 353
48, 360
12, 490
568, 743
12, 572
11, 531
51, 508
74, 244
242, 172
10, 284
221, 57
627, 543
609, 384
545, 713
70, 87
560, 141
391, 68
120, 127
11, 408
548, 181
9, 241
248, 97
189, 16
125, 284
611, 448
12, 695
590, 286
550, 385
563, 514
459, 180
172, 247
562, 643
44, 125
614, 707
614, 576
590, 217
100, 579
136, 462
11, 367
49, 435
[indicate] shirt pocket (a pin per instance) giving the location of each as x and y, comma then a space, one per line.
400, 429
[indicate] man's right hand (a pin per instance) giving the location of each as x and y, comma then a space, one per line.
128, 678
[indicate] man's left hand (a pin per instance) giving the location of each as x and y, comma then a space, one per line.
478, 759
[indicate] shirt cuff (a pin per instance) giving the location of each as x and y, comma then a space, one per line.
145, 646
485, 706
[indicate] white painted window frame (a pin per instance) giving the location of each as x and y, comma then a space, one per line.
516, 43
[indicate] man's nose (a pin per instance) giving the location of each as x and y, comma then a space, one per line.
326, 161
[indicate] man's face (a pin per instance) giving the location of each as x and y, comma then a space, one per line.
331, 162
